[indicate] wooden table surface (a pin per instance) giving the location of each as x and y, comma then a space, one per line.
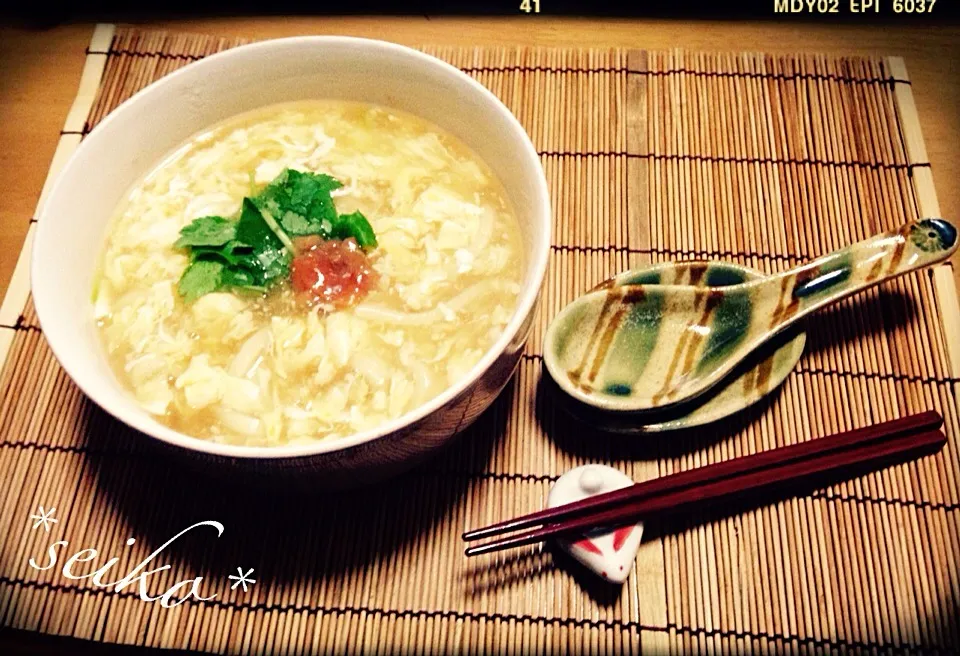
40, 71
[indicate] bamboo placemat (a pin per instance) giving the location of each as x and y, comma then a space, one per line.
651, 156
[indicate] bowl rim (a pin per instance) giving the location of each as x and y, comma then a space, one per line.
526, 304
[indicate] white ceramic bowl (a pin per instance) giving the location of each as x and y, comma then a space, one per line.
133, 139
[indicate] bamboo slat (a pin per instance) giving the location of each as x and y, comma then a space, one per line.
650, 157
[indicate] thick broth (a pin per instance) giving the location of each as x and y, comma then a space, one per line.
265, 370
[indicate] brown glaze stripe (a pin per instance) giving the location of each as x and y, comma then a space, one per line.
474, 616
606, 339
691, 342
599, 331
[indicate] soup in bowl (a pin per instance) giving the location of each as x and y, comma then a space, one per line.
320, 252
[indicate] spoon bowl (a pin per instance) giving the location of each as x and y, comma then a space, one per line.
646, 346
758, 375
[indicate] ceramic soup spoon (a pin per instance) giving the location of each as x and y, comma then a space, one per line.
641, 347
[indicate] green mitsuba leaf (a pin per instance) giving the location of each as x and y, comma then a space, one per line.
247, 253
355, 225
207, 231
201, 277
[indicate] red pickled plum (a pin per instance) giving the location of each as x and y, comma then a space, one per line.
335, 272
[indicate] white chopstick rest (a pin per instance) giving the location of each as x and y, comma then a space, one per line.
607, 553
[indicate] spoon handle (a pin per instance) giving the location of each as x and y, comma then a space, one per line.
828, 279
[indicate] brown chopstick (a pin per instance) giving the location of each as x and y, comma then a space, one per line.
753, 482
770, 468
910, 424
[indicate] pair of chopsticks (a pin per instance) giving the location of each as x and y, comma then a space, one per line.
870, 446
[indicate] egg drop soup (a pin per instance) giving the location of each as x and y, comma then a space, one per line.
304, 272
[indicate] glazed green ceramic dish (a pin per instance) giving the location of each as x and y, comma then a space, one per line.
650, 343
754, 380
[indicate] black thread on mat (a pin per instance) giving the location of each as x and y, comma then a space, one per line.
344, 610
858, 375
829, 77
489, 476
819, 494
721, 159
572, 248
407, 613
466, 69
689, 253
500, 477
872, 500
826, 77
806, 640
900, 378
162, 55
520, 68
729, 159
22, 325
73, 448
426, 472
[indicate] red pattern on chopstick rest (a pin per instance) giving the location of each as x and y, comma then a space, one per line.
587, 545
620, 536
